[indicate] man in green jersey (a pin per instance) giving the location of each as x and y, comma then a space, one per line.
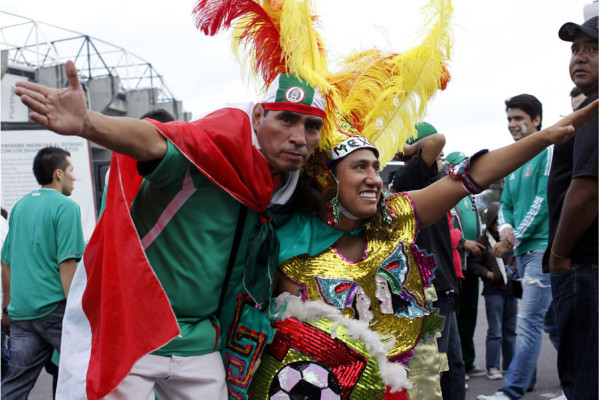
39, 256
204, 184
523, 225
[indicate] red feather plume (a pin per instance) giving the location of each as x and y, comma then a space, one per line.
259, 32
213, 15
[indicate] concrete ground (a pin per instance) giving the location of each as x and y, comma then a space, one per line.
547, 386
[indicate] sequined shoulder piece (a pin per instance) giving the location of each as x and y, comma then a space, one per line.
405, 219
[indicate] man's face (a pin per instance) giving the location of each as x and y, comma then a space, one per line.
286, 138
67, 182
520, 124
583, 63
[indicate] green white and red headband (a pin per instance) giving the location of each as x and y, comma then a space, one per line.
289, 93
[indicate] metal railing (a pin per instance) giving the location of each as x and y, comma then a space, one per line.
33, 44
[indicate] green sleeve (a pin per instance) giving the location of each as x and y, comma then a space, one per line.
538, 212
170, 169
506, 210
69, 232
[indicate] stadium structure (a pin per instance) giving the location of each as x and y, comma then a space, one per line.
116, 82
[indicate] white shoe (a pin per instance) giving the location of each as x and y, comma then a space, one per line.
474, 372
496, 396
560, 397
494, 374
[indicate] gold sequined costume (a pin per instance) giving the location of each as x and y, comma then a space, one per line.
384, 292
389, 278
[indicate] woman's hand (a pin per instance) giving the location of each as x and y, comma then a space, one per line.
566, 128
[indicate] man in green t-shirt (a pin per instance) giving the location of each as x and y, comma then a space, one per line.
198, 178
39, 258
523, 226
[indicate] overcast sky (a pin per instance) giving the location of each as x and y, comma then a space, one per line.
501, 49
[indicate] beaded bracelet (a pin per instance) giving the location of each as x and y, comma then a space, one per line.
461, 172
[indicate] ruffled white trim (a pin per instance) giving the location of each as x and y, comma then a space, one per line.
393, 374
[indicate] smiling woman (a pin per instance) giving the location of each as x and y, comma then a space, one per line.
360, 192
352, 248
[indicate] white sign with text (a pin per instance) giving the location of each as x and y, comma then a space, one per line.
19, 147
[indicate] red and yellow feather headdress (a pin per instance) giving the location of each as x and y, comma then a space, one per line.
274, 37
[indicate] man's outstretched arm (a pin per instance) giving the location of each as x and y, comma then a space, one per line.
65, 112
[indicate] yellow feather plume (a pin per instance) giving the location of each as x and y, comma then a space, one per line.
306, 56
385, 95
303, 48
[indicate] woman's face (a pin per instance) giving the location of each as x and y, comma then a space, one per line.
384, 295
363, 304
359, 183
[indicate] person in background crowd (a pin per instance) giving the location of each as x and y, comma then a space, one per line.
500, 303
571, 256
420, 170
466, 219
523, 226
39, 258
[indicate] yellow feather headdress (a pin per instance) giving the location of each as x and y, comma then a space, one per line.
384, 95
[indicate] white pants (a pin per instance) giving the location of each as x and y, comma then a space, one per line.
174, 378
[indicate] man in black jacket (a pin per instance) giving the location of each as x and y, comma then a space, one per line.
572, 250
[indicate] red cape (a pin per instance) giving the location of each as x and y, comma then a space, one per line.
128, 311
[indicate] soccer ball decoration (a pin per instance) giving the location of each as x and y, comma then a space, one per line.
326, 356
303, 380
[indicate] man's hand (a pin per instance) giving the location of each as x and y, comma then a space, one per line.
507, 236
578, 212
63, 111
473, 247
6, 324
559, 263
67, 271
500, 249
